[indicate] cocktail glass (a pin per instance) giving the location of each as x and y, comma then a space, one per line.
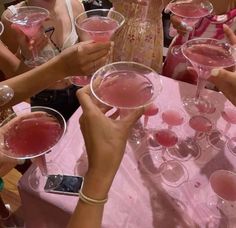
190, 12
30, 135
126, 86
98, 25
223, 184
205, 54
29, 20
172, 172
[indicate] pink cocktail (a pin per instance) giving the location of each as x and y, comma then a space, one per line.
189, 12
29, 19
206, 54
126, 86
223, 183
98, 25
173, 117
31, 134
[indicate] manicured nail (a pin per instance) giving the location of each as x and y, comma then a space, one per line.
215, 72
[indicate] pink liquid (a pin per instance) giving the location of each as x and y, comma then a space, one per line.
29, 22
151, 110
166, 138
80, 80
200, 123
33, 135
189, 10
99, 28
125, 89
229, 115
209, 55
223, 184
172, 117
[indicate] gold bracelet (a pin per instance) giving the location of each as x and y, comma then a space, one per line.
91, 201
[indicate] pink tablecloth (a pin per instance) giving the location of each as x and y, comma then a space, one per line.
139, 197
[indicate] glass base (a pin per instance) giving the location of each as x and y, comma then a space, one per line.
174, 173
37, 181
150, 163
217, 140
200, 105
185, 150
231, 144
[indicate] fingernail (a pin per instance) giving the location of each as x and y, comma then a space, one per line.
183, 24
215, 72
112, 43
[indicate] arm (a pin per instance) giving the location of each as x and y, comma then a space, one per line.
9, 35
105, 139
76, 60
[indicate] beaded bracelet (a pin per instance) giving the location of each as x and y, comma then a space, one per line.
91, 201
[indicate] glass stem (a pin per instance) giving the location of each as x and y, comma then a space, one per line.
41, 163
200, 86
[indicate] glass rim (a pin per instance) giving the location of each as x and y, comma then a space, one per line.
232, 173
120, 63
97, 10
1, 28
193, 17
185, 45
9, 17
5, 121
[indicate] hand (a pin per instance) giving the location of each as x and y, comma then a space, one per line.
6, 164
105, 138
229, 34
225, 81
84, 58
181, 26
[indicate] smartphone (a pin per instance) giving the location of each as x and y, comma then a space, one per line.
70, 185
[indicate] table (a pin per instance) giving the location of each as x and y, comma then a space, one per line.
138, 198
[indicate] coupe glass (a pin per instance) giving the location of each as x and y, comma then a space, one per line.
126, 86
190, 11
6, 93
29, 20
206, 54
98, 25
30, 135
223, 184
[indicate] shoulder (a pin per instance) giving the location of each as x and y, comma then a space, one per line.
77, 7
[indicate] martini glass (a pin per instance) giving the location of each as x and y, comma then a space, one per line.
29, 20
30, 135
206, 54
189, 12
223, 184
98, 25
126, 86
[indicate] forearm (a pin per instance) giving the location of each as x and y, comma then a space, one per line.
34, 81
86, 215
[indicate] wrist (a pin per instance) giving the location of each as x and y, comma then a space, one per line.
96, 186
